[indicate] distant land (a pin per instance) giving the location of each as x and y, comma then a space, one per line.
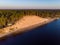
20, 7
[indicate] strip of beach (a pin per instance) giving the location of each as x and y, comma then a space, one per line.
24, 24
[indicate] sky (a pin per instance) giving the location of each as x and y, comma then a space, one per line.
27, 4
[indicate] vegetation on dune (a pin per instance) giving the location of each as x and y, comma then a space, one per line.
10, 16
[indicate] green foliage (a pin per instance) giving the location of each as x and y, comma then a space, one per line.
10, 16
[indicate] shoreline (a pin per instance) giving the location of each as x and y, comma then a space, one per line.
27, 28
33, 26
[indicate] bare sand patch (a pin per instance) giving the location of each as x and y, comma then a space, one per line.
25, 22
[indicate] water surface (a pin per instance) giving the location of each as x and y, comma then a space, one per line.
48, 34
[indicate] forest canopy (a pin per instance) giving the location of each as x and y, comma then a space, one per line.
10, 16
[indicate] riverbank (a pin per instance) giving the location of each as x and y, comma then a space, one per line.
24, 24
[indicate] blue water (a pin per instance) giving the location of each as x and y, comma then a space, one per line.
48, 34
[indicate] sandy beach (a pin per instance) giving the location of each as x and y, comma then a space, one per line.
27, 22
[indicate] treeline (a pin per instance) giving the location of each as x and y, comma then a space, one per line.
10, 16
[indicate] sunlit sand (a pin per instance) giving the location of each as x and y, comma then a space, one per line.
24, 23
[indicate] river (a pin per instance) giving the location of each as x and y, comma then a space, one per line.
48, 34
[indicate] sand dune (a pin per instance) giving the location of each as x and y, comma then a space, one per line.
25, 22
